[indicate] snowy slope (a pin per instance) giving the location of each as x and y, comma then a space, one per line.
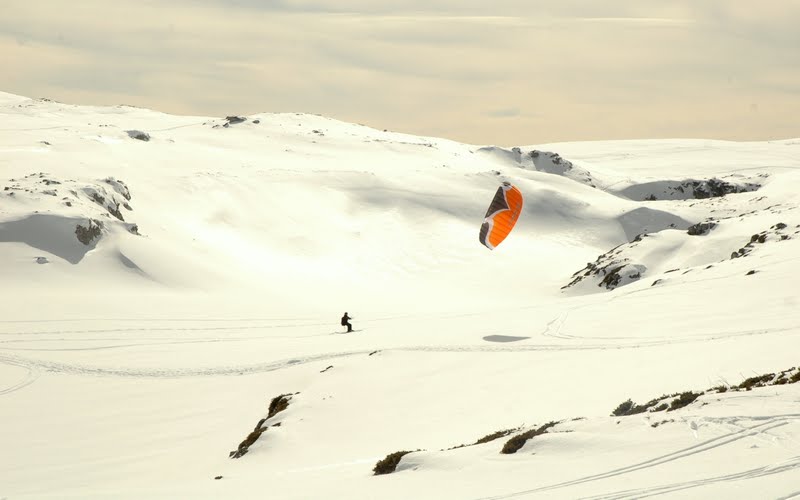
219, 254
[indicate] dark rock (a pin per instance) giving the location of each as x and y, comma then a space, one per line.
233, 120
750, 272
612, 278
87, 234
701, 228
138, 135
115, 212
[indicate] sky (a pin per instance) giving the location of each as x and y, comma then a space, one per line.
509, 72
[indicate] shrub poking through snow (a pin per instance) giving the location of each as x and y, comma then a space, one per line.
630, 408
624, 408
390, 463
675, 401
277, 405
495, 435
244, 446
487, 438
759, 381
514, 444
685, 399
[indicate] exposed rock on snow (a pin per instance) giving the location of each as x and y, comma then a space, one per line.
54, 234
84, 204
88, 233
621, 275
701, 228
138, 135
690, 189
541, 161
553, 163
775, 233
611, 269
119, 187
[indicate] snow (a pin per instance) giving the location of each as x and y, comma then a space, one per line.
224, 252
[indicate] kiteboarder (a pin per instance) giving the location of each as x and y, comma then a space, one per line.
346, 322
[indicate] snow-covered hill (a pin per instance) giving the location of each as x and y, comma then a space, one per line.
172, 288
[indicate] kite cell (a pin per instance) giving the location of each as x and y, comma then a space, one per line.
502, 215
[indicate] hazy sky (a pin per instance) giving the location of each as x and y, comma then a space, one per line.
507, 72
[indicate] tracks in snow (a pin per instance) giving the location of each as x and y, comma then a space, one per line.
764, 424
76, 369
32, 373
553, 331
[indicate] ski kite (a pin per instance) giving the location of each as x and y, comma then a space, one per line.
502, 215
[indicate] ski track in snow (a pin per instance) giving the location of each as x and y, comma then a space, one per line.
553, 330
767, 423
30, 377
52, 366
767, 470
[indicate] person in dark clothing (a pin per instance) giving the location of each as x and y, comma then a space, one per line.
346, 322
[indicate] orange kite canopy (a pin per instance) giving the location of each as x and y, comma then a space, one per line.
502, 215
